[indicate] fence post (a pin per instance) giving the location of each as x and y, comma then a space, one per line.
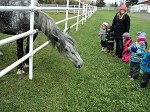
83, 13
31, 41
66, 23
74, 9
57, 8
78, 16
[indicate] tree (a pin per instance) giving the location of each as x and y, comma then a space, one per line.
132, 2
100, 3
86, 1
113, 5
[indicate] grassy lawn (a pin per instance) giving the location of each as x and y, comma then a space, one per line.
101, 85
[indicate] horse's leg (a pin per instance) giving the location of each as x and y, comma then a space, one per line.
27, 50
20, 54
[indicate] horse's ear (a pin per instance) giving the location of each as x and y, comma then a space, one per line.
67, 30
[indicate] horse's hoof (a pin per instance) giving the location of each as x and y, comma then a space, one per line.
20, 73
26, 66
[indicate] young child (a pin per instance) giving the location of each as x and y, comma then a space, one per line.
110, 40
102, 34
143, 34
127, 40
145, 66
137, 50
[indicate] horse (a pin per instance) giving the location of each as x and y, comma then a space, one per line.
17, 22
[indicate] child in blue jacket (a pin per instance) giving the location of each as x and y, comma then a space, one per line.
145, 68
137, 50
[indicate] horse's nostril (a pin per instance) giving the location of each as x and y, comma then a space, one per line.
78, 66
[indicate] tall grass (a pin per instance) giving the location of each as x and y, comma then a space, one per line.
101, 85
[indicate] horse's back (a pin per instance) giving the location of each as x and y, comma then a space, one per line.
13, 21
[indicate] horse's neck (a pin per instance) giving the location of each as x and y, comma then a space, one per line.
47, 25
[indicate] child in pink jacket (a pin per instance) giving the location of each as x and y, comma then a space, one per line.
127, 42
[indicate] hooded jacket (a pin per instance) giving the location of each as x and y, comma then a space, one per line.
120, 26
145, 65
138, 55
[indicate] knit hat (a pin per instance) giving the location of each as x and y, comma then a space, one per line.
126, 35
140, 38
108, 26
105, 23
123, 7
141, 34
138, 33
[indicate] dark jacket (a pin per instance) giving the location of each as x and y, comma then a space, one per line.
110, 37
120, 26
145, 65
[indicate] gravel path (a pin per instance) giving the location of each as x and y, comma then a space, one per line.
145, 16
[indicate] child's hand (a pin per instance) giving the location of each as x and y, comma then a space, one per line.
111, 33
111, 37
101, 34
141, 71
134, 49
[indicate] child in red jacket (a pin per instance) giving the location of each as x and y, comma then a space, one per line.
127, 40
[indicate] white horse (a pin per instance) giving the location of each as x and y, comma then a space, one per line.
16, 22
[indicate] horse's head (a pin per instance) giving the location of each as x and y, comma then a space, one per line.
73, 55
64, 43
68, 49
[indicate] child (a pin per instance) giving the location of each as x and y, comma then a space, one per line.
127, 40
143, 34
102, 34
110, 40
145, 66
137, 50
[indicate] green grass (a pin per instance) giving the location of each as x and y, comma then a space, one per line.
101, 85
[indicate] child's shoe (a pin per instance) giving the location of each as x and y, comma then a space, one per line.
1, 54
102, 49
105, 49
131, 78
138, 87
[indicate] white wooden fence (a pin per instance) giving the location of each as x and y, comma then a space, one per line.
87, 11
140, 8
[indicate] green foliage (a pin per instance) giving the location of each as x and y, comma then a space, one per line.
100, 3
132, 2
113, 4
101, 85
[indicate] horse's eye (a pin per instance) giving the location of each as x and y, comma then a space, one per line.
73, 53
66, 50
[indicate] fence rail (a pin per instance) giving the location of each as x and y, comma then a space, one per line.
87, 11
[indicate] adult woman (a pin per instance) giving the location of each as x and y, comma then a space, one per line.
120, 25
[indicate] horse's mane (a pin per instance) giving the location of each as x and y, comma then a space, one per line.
51, 30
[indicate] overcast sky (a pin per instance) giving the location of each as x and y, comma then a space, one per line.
110, 1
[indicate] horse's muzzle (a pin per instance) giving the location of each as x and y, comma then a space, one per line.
78, 66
